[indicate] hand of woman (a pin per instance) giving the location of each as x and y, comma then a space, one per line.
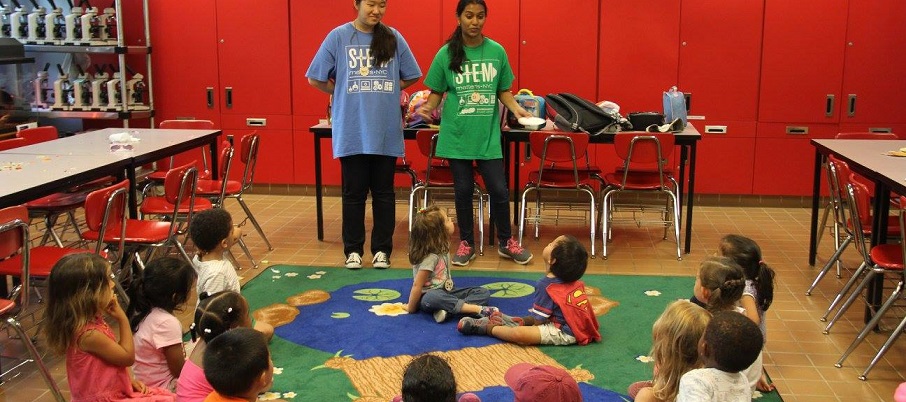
520, 112
425, 112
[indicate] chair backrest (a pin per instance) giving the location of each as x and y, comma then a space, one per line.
187, 124
858, 200
248, 154
226, 160
179, 190
866, 136
553, 147
649, 149
12, 143
14, 241
427, 145
38, 134
105, 211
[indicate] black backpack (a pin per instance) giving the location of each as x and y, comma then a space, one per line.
572, 113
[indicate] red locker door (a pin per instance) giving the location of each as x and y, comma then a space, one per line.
497, 27
873, 77
639, 52
420, 24
720, 57
311, 21
184, 63
785, 158
802, 61
253, 49
559, 46
725, 157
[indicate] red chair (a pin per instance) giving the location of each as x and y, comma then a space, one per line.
161, 167
217, 190
38, 135
839, 176
12, 143
14, 245
248, 155
178, 204
649, 149
877, 260
560, 169
438, 176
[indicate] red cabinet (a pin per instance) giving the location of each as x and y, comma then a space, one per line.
639, 52
227, 63
873, 80
720, 57
559, 46
785, 158
802, 61
725, 160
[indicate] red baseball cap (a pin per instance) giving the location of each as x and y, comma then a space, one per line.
532, 383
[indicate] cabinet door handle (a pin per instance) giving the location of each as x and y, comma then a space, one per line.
688, 97
852, 105
796, 130
829, 105
256, 122
715, 129
880, 130
210, 91
229, 97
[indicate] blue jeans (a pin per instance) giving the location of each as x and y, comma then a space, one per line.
492, 173
363, 174
452, 301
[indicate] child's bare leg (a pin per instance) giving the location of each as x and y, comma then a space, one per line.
517, 335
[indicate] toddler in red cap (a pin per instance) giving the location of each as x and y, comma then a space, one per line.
561, 312
532, 383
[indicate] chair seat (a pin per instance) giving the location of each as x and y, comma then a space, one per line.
441, 176
893, 227
158, 176
41, 260
57, 202
637, 180
137, 231
211, 188
6, 306
160, 206
887, 256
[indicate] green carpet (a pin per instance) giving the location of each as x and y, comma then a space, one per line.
341, 349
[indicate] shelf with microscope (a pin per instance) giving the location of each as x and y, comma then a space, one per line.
107, 92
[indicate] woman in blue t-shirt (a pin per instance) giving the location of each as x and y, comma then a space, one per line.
364, 65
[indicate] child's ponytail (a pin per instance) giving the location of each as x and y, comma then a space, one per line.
139, 305
764, 283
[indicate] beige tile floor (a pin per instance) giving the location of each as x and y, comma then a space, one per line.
798, 357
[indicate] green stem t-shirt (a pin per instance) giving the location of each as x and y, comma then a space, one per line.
470, 123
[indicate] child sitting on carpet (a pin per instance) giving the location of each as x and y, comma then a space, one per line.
429, 378
238, 366
432, 289
79, 295
758, 293
561, 313
215, 315
675, 336
213, 233
731, 343
163, 287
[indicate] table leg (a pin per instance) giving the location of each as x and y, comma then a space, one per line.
690, 196
215, 173
319, 205
133, 193
816, 195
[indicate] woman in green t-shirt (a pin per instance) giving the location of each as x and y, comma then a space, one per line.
474, 73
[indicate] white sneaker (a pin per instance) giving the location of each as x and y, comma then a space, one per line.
353, 261
380, 260
440, 316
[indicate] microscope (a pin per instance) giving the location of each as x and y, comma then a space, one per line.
98, 89
37, 30
109, 32
114, 96
135, 91
80, 98
5, 27
55, 25
91, 27
43, 93
18, 21
73, 25
62, 89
